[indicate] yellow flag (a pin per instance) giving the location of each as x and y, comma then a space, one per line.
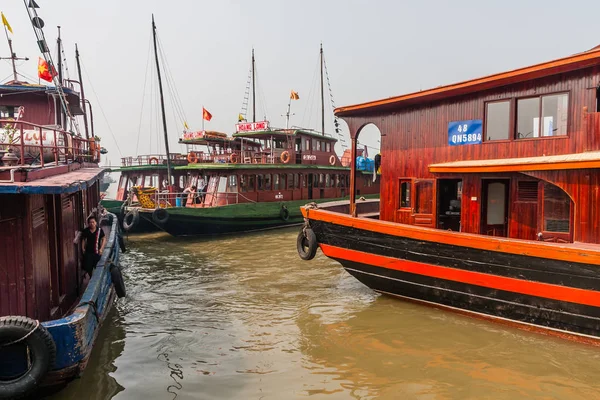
240, 118
294, 95
185, 125
5, 22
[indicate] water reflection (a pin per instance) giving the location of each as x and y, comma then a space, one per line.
243, 317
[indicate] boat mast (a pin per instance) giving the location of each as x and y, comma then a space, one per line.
60, 115
162, 102
13, 56
85, 120
322, 95
253, 90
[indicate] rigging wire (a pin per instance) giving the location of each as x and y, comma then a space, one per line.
137, 144
171, 82
308, 110
261, 94
101, 109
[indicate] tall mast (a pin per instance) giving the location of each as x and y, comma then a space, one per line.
85, 120
13, 56
162, 102
253, 90
60, 115
322, 95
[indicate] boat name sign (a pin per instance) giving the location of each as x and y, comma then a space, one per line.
464, 132
309, 157
252, 126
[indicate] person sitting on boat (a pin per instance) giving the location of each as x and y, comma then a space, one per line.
92, 244
189, 191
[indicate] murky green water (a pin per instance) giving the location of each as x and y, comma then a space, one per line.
245, 318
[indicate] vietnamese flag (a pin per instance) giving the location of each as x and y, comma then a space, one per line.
206, 115
44, 72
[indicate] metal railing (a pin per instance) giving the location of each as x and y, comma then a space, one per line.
151, 159
29, 143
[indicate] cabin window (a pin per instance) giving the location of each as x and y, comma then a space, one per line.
323, 146
321, 180
182, 181
404, 194
278, 182
268, 182
327, 180
557, 209
542, 116
297, 181
8, 111
315, 145
307, 144
497, 120
328, 147
260, 179
232, 184
251, 183
424, 197
290, 181
243, 183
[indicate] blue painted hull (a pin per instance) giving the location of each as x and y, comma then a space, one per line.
75, 334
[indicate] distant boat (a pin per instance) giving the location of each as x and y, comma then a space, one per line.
49, 184
256, 179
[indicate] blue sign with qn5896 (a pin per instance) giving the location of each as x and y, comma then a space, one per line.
464, 132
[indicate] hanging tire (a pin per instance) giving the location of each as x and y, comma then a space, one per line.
131, 219
306, 244
284, 213
117, 280
160, 216
121, 243
41, 348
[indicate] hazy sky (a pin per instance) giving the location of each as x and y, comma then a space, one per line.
373, 49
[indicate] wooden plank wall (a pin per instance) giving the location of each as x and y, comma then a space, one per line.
417, 136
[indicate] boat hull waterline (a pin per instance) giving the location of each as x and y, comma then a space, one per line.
548, 293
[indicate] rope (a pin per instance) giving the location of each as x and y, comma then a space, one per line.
250, 200
37, 325
94, 308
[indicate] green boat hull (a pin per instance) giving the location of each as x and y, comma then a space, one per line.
114, 206
235, 218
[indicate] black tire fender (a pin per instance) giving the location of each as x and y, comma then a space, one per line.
160, 216
41, 347
284, 213
117, 280
306, 244
131, 219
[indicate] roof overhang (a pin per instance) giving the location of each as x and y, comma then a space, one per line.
68, 182
567, 64
545, 163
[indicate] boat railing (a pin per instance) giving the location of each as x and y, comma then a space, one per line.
152, 159
24, 143
239, 157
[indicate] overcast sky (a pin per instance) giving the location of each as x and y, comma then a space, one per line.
373, 49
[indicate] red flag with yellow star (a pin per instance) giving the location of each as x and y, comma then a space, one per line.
44, 71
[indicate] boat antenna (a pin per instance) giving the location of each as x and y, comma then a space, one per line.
162, 102
85, 120
60, 115
253, 88
322, 95
13, 56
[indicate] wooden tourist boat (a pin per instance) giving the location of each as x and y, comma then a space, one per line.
489, 198
252, 181
256, 179
49, 184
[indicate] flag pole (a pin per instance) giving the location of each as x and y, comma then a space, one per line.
12, 55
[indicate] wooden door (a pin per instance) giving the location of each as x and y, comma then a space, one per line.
494, 215
424, 196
